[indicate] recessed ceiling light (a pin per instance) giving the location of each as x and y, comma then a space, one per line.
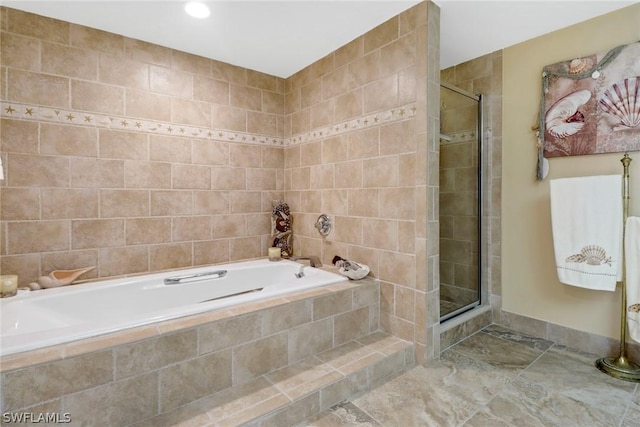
197, 9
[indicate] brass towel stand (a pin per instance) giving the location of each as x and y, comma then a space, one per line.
620, 367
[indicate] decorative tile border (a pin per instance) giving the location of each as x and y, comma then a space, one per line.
14, 110
82, 118
458, 137
403, 112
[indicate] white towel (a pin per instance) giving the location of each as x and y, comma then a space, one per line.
586, 218
631, 261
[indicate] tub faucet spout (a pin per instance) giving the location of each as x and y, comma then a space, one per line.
314, 261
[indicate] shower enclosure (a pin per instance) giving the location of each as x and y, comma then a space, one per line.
460, 200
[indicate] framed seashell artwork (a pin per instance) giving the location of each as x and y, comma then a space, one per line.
591, 105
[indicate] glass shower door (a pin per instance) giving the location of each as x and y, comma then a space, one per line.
460, 201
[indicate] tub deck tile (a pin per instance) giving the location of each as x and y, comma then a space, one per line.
257, 305
193, 414
251, 413
393, 348
360, 364
191, 321
311, 293
379, 340
314, 385
343, 286
293, 376
239, 398
109, 340
297, 390
34, 357
344, 354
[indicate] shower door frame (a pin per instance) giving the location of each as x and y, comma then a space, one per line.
480, 207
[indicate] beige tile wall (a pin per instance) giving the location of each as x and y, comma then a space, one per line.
123, 197
144, 201
369, 174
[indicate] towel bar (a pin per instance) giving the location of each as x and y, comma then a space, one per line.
620, 367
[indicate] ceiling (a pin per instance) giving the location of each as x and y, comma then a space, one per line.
282, 37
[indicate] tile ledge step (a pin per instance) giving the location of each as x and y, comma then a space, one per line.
298, 391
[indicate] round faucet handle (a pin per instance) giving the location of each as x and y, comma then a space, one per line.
323, 224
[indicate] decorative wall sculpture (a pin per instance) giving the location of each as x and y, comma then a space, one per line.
591, 105
281, 228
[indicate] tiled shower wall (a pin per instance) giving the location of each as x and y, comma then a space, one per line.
363, 137
125, 155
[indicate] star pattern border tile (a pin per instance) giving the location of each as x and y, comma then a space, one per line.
21, 111
403, 112
458, 137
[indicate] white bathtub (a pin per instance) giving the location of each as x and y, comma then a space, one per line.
37, 319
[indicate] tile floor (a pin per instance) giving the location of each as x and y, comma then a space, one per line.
495, 378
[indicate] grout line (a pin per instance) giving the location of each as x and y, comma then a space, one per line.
534, 361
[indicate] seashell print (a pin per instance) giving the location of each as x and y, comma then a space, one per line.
592, 255
622, 100
595, 255
575, 258
563, 118
580, 65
